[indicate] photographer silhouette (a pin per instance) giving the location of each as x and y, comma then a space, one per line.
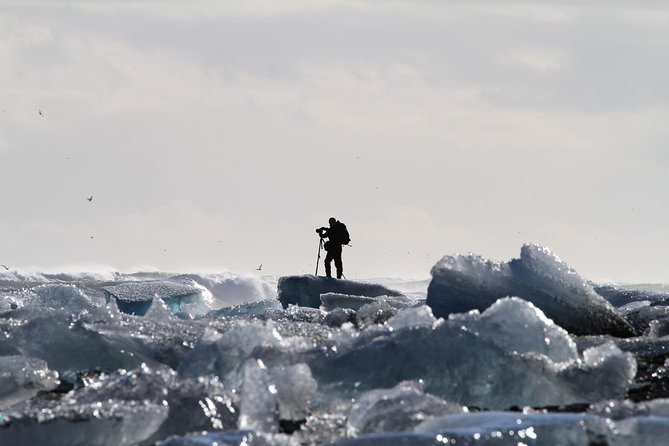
337, 235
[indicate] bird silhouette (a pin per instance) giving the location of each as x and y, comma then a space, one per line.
90, 198
40, 113
259, 268
5, 267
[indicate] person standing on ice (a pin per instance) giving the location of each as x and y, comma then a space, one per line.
337, 235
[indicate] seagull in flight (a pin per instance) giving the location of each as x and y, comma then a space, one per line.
259, 268
90, 198
5, 267
40, 113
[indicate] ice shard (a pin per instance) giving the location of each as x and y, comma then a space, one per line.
259, 404
22, 377
466, 282
398, 409
295, 386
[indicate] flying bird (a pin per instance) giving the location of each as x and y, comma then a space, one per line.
5, 267
40, 113
90, 198
259, 268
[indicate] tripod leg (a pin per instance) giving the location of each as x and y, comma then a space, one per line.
318, 259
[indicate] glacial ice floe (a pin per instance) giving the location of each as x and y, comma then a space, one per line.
330, 301
355, 369
136, 297
535, 362
620, 295
231, 438
465, 282
55, 296
22, 377
401, 408
306, 290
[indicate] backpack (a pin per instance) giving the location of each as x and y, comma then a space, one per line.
345, 238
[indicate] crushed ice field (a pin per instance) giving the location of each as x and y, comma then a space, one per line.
524, 352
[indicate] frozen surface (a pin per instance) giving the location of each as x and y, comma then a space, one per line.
536, 363
295, 386
466, 282
508, 428
398, 409
224, 354
387, 372
136, 297
22, 377
415, 317
620, 295
102, 423
306, 290
231, 438
259, 404
56, 296
641, 314
257, 308
330, 301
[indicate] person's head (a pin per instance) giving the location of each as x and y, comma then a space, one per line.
332, 221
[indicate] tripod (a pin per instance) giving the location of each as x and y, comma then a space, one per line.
318, 260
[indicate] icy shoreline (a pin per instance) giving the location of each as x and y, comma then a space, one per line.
360, 364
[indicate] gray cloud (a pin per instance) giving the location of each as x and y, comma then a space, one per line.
485, 125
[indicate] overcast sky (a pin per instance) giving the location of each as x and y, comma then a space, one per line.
218, 135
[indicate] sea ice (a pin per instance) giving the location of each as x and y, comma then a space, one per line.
296, 313
231, 438
419, 316
640, 316
340, 316
512, 428
257, 308
535, 363
462, 283
620, 295
193, 404
258, 408
63, 341
330, 301
224, 354
398, 409
374, 313
295, 387
135, 297
306, 290
55, 296
68, 423
159, 311
22, 377
658, 328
